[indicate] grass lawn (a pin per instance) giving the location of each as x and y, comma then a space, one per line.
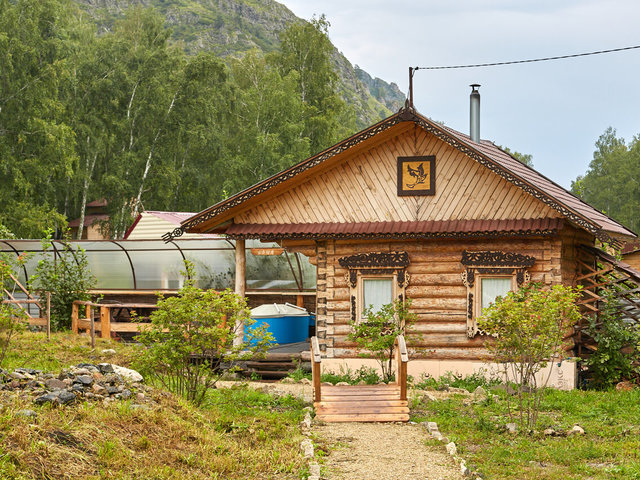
610, 448
238, 433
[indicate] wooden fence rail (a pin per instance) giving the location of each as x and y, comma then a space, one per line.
107, 320
44, 318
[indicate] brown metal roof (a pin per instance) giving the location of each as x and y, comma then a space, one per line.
398, 229
543, 183
89, 220
630, 247
572, 208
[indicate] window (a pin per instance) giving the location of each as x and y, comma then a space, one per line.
492, 288
375, 279
490, 274
376, 292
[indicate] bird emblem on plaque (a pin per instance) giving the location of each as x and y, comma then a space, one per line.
416, 175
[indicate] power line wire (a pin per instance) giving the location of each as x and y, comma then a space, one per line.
476, 65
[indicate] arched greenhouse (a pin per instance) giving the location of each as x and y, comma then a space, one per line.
126, 269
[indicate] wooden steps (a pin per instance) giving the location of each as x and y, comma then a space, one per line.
362, 403
274, 366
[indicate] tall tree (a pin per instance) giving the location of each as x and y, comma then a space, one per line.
612, 180
90, 114
306, 49
37, 146
268, 120
193, 175
525, 158
146, 76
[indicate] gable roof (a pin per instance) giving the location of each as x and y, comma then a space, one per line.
484, 152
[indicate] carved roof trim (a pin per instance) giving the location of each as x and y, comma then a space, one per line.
490, 258
376, 260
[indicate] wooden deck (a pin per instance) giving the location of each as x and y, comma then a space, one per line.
362, 403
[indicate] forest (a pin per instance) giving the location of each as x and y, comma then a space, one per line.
612, 182
128, 116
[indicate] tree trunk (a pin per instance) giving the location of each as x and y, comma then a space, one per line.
85, 190
147, 166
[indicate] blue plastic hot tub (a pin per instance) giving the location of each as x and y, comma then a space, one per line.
287, 323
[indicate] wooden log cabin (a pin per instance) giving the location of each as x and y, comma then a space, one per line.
409, 208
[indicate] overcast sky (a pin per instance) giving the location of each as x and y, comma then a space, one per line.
554, 110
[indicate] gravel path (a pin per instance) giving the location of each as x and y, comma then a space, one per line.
372, 451
382, 451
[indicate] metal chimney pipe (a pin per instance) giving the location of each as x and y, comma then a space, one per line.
474, 113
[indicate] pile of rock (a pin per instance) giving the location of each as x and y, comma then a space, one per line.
103, 382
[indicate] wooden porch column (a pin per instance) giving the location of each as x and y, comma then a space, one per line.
241, 262
74, 317
105, 322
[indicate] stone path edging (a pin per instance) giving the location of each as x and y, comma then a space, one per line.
452, 450
307, 446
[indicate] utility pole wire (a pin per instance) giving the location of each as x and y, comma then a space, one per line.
513, 62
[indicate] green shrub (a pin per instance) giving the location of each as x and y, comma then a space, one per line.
528, 327
618, 345
67, 276
364, 374
468, 382
194, 334
377, 334
299, 373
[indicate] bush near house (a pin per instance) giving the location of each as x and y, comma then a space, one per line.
194, 334
377, 334
528, 326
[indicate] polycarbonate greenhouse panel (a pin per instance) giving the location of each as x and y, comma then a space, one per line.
153, 264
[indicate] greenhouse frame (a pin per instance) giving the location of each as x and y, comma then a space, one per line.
153, 265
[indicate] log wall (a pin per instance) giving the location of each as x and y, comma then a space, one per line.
632, 259
436, 288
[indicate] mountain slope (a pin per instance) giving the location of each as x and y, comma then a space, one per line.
232, 27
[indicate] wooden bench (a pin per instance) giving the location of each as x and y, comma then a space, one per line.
362, 403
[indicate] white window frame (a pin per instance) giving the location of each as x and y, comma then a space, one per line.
478, 289
360, 291
490, 264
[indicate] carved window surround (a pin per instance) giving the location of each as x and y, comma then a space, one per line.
367, 265
490, 263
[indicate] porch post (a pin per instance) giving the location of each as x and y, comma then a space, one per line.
241, 262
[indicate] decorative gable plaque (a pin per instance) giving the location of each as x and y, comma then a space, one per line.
417, 175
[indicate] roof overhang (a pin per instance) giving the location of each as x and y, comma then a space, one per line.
399, 230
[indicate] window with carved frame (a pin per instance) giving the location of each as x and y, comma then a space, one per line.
374, 291
490, 287
488, 275
375, 279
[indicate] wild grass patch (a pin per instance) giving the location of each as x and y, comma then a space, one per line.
237, 433
610, 448
33, 350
